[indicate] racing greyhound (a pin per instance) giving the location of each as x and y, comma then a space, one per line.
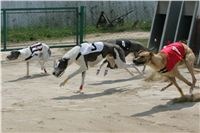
37, 51
133, 47
90, 54
166, 63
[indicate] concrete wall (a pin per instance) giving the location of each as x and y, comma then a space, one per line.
143, 10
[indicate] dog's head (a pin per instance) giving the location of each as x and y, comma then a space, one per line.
143, 58
13, 55
60, 67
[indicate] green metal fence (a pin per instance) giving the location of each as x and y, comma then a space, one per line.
78, 21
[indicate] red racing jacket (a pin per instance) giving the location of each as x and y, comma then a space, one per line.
175, 52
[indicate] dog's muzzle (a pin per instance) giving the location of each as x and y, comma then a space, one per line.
10, 57
58, 73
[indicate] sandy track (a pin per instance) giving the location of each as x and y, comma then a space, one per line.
115, 103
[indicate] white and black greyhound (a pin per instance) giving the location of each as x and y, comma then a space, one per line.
90, 54
129, 47
37, 51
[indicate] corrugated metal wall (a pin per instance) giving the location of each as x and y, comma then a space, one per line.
143, 10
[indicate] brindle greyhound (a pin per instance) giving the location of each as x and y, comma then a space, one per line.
129, 47
80, 55
166, 63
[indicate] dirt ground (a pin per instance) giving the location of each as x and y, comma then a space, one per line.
117, 102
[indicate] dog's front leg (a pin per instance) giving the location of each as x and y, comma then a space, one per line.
164, 88
144, 67
80, 70
173, 80
191, 70
82, 82
27, 68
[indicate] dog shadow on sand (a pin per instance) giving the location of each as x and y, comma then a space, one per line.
93, 95
174, 104
34, 76
118, 80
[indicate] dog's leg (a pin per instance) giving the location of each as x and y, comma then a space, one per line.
129, 72
102, 64
27, 69
121, 64
164, 88
42, 66
106, 71
133, 65
173, 80
180, 77
82, 82
144, 67
191, 70
80, 70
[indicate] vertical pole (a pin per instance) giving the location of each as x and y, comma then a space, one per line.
198, 61
77, 26
81, 23
4, 30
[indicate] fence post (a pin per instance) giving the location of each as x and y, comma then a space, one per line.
81, 33
77, 25
4, 30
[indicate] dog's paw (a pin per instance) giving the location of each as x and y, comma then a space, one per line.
163, 89
79, 92
62, 84
105, 72
98, 72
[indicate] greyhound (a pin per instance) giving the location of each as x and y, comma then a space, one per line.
166, 63
90, 54
38, 51
133, 47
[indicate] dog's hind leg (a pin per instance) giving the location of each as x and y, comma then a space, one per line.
121, 64
42, 66
173, 80
129, 72
101, 65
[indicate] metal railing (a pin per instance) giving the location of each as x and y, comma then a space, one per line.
79, 31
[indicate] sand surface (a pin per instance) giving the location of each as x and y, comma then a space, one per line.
115, 103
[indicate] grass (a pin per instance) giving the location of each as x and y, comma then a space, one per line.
38, 33
17, 35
